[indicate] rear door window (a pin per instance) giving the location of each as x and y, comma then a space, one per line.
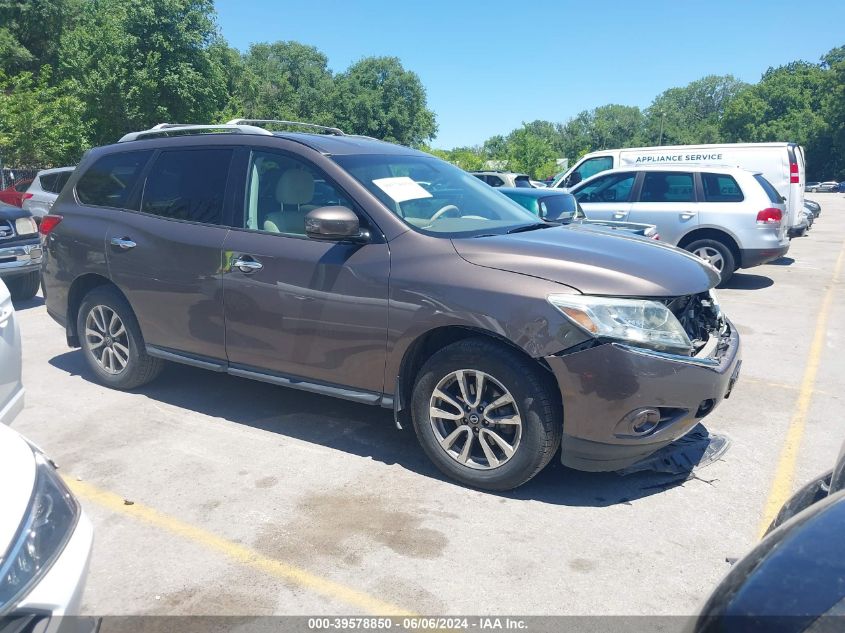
109, 182
188, 185
721, 188
495, 181
48, 181
61, 180
660, 186
774, 196
523, 181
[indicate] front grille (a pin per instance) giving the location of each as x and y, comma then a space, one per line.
698, 315
7, 231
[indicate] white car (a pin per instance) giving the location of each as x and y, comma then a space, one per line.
45, 537
44, 189
782, 164
729, 216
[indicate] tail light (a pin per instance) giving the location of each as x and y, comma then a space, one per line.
49, 222
766, 216
656, 236
793, 173
26, 196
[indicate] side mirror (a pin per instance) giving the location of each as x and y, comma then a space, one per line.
333, 223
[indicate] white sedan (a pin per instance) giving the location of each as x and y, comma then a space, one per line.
45, 537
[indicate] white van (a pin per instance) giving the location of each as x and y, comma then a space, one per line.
782, 164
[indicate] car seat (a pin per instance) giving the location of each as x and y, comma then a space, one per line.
294, 193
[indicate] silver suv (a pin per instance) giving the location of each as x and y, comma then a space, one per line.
729, 216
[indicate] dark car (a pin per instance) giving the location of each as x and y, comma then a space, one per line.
15, 193
351, 267
20, 252
555, 205
794, 580
814, 207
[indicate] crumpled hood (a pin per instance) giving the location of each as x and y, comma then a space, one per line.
593, 263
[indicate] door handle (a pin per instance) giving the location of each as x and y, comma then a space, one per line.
618, 216
123, 242
4, 317
686, 215
247, 264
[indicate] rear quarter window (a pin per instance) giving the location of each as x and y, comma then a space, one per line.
109, 182
721, 188
48, 181
774, 196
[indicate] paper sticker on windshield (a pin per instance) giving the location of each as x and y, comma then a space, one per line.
401, 188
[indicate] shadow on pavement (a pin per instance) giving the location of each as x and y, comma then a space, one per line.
745, 281
36, 302
781, 261
363, 430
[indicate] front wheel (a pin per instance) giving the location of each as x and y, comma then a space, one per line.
486, 415
719, 255
112, 342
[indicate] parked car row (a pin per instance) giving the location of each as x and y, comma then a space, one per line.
828, 186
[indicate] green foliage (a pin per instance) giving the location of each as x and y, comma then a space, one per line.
691, 114
135, 63
378, 97
530, 151
31, 30
286, 80
40, 125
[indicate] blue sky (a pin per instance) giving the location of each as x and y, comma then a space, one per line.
489, 66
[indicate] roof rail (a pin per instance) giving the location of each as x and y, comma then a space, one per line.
331, 130
181, 129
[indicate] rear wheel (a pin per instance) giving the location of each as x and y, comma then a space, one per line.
111, 341
486, 415
24, 287
718, 254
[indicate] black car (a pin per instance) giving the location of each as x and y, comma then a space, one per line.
794, 580
20, 252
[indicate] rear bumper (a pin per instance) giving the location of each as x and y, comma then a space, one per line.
20, 258
603, 389
756, 256
798, 230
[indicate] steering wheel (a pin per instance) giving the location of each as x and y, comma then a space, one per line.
443, 211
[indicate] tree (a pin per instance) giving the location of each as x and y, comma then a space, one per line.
286, 80
691, 114
530, 152
31, 32
135, 63
40, 125
378, 97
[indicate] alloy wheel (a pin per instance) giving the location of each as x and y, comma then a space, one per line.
710, 254
475, 419
106, 339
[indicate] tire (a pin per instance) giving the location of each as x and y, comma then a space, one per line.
24, 287
126, 343
534, 402
726, 263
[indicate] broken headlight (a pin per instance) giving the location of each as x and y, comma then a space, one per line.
636, 321
47, 526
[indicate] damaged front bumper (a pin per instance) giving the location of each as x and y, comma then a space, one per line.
622, 403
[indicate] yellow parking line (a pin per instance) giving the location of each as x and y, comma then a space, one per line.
782, 484
236, 552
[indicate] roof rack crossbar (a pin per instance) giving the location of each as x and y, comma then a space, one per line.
331, 130
168, 129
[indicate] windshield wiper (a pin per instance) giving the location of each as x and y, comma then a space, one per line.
531, 227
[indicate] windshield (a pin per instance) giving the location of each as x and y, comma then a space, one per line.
435, 197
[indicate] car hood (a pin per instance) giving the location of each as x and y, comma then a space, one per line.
592, 262
17, 472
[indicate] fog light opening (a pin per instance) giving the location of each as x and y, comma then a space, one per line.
644, 421
705, 407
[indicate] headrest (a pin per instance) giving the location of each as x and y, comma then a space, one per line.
296, 186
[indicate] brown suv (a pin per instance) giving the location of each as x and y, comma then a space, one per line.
372, 272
